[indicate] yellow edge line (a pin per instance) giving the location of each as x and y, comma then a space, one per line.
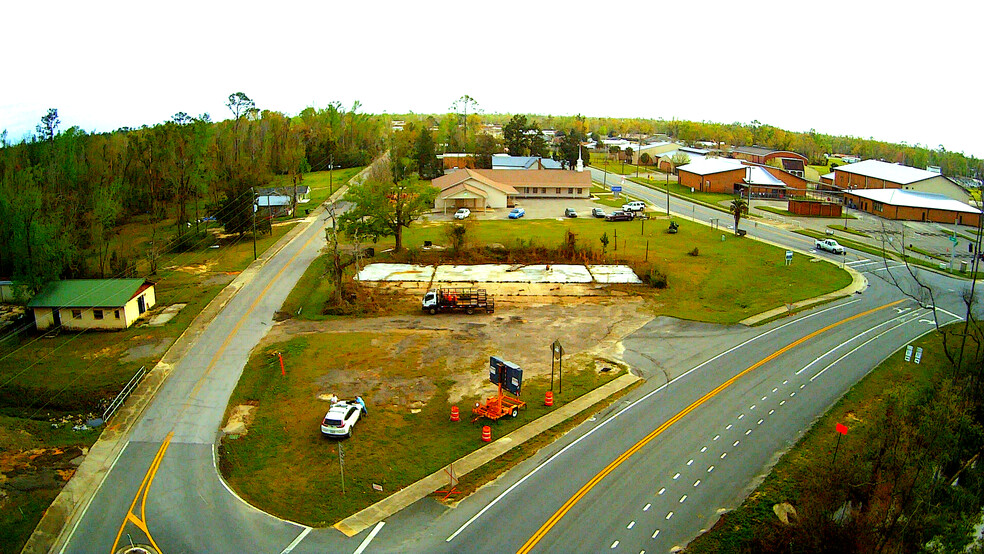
542, 531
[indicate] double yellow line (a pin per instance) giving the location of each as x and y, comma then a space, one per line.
554, 519
141, 520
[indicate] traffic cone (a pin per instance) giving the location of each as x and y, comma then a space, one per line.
454, 414
549, 399
486, 434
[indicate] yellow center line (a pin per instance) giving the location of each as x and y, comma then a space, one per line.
143, 491
542, 531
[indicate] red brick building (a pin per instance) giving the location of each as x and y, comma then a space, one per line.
913, 206
713, 175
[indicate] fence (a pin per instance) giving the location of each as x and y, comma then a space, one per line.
122, 396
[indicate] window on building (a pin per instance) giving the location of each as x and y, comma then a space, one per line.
76, 314
557, 191
877, 206
116, 313
579, 191
97, 314
570, 190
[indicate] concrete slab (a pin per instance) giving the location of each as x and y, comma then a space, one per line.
500, 273
613, 274
396, 272
165, 316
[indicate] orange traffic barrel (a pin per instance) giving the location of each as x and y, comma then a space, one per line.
486, 434
454, 414
548, 401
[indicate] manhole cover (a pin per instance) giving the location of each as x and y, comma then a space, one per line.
137, 549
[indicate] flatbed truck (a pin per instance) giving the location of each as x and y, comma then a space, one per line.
457, 300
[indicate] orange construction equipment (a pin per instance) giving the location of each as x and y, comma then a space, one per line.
486, 434
548, 401
454, 414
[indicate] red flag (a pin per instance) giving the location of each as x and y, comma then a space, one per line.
841, 428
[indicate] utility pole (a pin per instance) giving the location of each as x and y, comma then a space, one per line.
253, 190
331, 165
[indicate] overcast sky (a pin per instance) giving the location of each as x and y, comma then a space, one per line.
895, 71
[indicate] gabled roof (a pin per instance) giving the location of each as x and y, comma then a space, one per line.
547, 163
445, 182
541, 177
88, 293
513, 162
894, 173
709, 166
914, 199
453, 190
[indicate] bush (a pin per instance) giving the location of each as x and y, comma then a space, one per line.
657, 278
190, 240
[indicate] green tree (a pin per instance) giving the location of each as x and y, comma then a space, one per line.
48, 126
428, 166
523, 138
386, 204
738, 208
485, 146
645, 159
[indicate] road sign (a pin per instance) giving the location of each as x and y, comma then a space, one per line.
908, 353
841, 428
789, 257
918, 354
616, 188
953, 239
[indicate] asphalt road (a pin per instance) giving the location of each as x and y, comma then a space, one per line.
646, 474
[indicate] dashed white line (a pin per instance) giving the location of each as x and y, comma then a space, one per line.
783, 402
683, 498
741, 416
677, 476
784, 382
614, 544
630, 525
691, 462
792, 394
728, 428
710, 469
661, 491
763, 398
803, 386
656, 534
735, 443
646, 507
697, 482
669, 515
759, 422
775, 389
716, 437
703, 449
724, 455
748, 432
753, 406
771, 412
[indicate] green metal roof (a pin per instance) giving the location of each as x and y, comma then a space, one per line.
86, 293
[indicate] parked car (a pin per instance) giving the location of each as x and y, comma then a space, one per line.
619, 215
569, 212
462, 213
635, 206
597, 212
342, 417
517, 213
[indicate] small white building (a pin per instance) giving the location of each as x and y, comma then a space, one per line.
76, 304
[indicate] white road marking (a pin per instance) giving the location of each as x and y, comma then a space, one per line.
783, 402
741, 416
303, 534
792, 394
763, 398
710, 469
748, 432
697, 482
646, 508
656, 534
703, 449
716, 437
760, 422
735, 443
627, 408
803, 386
724, 455
691, 462
614, 544
677, 476
68, 539
683, 498
661, 491
775, 389
784, 382
368, 539
771, 412
630, 525
728, 428
669, 515
753, 407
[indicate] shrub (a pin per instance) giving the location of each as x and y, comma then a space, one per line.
657, 278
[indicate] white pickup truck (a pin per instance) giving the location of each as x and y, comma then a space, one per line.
830, 245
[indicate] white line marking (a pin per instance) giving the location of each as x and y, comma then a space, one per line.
748, 432
803, 386
683, 498
716, 437
301, 536
735, 443
792, 394
771, 412
710, 469
784, 382
661, 491
753, 406
741, 416
763, 398
677, 476
691, 462
775, 389
728, 428
760, 422
646, 507
627, 408
631, 525
614, 544
669, 515
724, 455
783, 402
368, 539
704, 449
68, 539
697, 482
656, 534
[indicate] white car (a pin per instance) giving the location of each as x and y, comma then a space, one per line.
462, 213
634, 206
341, 418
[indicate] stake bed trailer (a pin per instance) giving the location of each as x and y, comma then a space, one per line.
457, 300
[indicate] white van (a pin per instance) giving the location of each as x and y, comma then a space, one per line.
634, 206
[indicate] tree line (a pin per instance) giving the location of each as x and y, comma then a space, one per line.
65, 193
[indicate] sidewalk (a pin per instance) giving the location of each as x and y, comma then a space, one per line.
68, 507
406, 496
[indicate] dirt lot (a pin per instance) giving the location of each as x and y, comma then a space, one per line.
589, 320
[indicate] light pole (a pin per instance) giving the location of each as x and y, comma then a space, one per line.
255, 207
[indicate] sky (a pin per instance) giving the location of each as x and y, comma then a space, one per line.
894, 71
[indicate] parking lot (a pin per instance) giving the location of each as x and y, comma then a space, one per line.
536, 208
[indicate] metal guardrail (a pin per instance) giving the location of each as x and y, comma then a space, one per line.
122, 396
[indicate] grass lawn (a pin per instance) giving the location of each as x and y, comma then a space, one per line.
624, 169
848, 230
709, 199
812, 455
392, 446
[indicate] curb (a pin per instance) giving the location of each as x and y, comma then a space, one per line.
406, 496
64, 513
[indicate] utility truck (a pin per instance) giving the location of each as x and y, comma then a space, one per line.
457, 300
830, 245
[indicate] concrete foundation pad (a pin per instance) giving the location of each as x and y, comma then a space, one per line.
165, 316
613, 274
500, 273
396, 272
